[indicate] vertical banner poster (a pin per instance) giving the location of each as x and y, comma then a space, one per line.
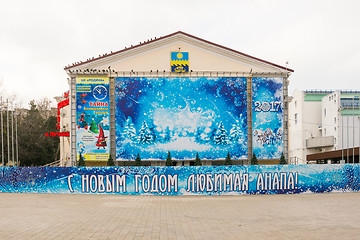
93, 118
183, 115
267, 117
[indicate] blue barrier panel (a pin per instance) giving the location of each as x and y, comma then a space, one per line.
202, 180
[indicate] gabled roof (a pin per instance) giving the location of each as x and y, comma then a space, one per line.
78, 64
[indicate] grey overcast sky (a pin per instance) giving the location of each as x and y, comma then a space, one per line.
319, 38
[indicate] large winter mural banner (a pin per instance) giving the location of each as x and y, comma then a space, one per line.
201, 180
183, 115
92, 118
267, 117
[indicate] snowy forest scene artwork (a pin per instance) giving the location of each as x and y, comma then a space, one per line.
182, 115
189, 115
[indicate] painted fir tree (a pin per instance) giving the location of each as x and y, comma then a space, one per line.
228, 160
220, 136
169, 161
145, 136
197, 160
129, 130
235, 133
138, 160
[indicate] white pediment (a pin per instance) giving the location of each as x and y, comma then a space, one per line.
154, 56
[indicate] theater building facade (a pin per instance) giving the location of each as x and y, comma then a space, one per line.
179, 95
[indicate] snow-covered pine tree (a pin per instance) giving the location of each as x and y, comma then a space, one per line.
145, 136
129, 130
235, 133
152, 131
220, 136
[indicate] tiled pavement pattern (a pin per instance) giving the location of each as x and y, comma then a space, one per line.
63, 216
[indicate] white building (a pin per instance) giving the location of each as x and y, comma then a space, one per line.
152, 59
322, 121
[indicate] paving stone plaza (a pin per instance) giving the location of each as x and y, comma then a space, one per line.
294, 216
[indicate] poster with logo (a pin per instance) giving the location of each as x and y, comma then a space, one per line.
93, 118
180, 115
267, 117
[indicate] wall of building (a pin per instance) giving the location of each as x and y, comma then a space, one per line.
321, 117
304, 122
65, 141
64, 126
331, 118
152, 60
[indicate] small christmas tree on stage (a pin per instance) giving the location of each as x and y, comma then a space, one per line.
81, 162
197, 160
138, 160
228, 160
169, 161
282, 159
110, 162
254, 160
